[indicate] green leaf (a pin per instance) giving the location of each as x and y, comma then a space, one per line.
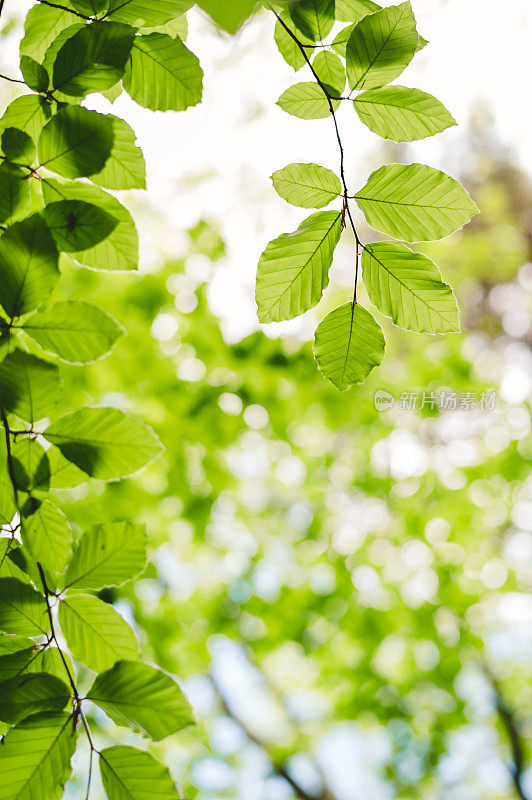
294, 268
132, 774
143, 698
155, 13
34, 74
330, 71
407, 287
12, 644
28, 265
34, 659
162, 74
43, 24
120, 251
89, 7
28, 113
47, 536
14, 189
19, 147
381, 46
415, 202
29, 387
76, 142
402, 114
314, 18
7, 503
8, 567
95, 633
107, 555
125, 168
93, 59
52, 52
229, 16
307, 185
339, 43
77, 225
104, 442
22, 609
348, 344
306, 101
35, 757
74, 330
62, 474
286, 45
31, 693
30, 465
354, 10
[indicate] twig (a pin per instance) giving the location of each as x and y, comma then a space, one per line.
7, 78
280, 769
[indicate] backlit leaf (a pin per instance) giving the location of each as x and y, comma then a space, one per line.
47, 536
154, 13
314, 18
31, 693
76, 142
330, 71
14, 189
294, 268
402, 114
348, 344
34, 74
29, 387
132, 774
95, 633
287, 46
307, 185
415, 202
43, 24
125, 168
28, 113
77, 225
143, 698
22, 609
107, 555
306, 101
229, 16
354, 10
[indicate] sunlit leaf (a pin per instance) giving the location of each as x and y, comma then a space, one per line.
354, 10
132, 774
415, 202
348, 344
314, 18
125, 168
287, 45
402, 114
306, 101
154, 13
22, 609
14, 189
29, 386
330, 71
229, 16
76, 142
47, 536
307, 185
77, 225
107, 555
34, 74
143, 698
294, 268
31, 693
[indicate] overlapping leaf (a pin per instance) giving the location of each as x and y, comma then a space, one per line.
76, 142
22, 609
307, 101
47, 536
77, 225
31, 693
29, 387
107, 555
314, 18
294, 268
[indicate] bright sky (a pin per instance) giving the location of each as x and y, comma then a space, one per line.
215, 160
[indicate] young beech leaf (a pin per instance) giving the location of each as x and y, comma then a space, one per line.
415, 202
314, 18
143, 698
339, 43
120, 250
43, 24
354, 10
22, 609
96, 634
407, 287
287, 46
381, 46
125, 168
51, 54
107, 555
31, 693
34, 74
294, 268
330, 71
77, 225
76, 142
307, 185
162, 74
104, 442
19, 148
93, 59
35, 757
30, 465
89, 7
28, 265
47, 536
306, 101
29, 387
128, 772
14, 187
348, 344
154, 14
228, 16
74, 330
402, 114
28, 113
34, 659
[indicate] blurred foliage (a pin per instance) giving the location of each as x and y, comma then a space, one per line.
334, 572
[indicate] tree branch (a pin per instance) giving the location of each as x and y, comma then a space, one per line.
279, 768
510, 724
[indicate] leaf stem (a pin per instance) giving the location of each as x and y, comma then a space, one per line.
346, 197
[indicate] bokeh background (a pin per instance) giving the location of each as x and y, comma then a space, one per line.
343, 590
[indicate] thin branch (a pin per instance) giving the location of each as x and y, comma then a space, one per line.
507, 717
10, 465
345, 208
280, 769
11, 80
64, 8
